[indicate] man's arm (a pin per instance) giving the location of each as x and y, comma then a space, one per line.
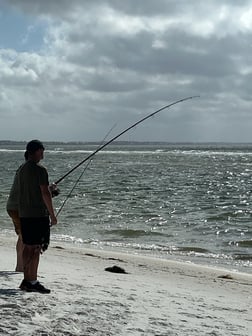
47, 198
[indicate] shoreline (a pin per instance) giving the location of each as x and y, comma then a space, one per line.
154, 296
205, 262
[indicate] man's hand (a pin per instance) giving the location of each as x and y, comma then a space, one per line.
54, 190
53, 220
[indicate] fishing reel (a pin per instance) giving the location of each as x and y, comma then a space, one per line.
54, 190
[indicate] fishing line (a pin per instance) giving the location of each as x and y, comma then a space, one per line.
85, 168
121, 133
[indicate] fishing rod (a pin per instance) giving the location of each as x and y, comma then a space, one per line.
82, 173
121, 133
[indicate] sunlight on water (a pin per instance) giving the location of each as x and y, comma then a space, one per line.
191, 202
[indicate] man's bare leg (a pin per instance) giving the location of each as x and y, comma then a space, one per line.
19, 249
31, 254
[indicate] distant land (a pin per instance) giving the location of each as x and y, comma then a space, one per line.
132, 143
116, 142
13, 142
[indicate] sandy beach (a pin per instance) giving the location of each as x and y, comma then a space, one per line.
154, 296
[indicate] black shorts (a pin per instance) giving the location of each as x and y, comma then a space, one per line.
35, 230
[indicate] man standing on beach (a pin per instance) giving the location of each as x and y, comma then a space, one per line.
36, 214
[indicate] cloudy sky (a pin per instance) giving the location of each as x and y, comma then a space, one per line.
71, 70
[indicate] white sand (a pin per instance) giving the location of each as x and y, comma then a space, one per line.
156, 297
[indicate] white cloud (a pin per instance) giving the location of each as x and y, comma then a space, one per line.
106, 62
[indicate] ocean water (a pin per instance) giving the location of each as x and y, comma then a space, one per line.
189, 202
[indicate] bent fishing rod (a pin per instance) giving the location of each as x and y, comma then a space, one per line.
82, 173
121, 133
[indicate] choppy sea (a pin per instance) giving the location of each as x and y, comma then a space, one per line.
188, 202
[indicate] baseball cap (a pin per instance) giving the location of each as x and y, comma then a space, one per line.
33, 145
